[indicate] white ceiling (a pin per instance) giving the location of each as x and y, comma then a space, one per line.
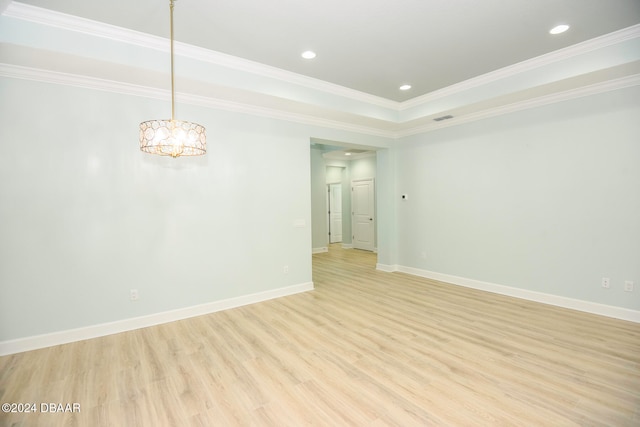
372, 46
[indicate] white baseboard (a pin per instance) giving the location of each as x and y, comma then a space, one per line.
347, 246
319, 250
94, 331
387, 268
559, 301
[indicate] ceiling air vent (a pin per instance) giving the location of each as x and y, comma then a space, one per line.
447, 117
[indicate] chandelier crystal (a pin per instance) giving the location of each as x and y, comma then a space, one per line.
171, 137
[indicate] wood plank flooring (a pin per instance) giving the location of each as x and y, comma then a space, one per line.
366, 348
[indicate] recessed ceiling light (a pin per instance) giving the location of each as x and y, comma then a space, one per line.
559, 29
308, 54
405, 87
347, 154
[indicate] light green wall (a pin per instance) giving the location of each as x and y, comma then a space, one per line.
386, 208
334, 174
319, 236
363, 168
546, 199
85, 216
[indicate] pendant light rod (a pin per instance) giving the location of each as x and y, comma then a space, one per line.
172, 137
173, 90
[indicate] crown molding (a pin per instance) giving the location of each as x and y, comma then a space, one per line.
75, 80
274, 113
54, 77
38, 15
619, 36
87, 82
567, 95
314, 116
99, 29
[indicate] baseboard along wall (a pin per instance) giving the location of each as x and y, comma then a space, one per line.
95, 331
559, 301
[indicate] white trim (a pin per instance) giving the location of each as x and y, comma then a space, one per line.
556, 300
94, 331
347, 246
274, 113
527, 65
86, 82
124, 35
594, 89
77, 24
387, 268
55, 77
319, 250
99, 29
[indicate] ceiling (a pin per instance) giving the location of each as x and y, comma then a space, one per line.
335, 150
372, 46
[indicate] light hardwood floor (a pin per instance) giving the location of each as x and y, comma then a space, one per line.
366, 348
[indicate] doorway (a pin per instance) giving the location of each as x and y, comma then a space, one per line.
332, 164
363, 214
334, 208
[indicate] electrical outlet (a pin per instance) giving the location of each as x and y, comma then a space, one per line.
606, 283
285, 269
628, 285
133, 295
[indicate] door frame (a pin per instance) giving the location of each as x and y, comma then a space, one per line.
373, 215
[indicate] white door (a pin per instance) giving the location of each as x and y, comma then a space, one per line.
363, 221
335, 213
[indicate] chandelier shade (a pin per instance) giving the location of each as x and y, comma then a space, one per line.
171, 137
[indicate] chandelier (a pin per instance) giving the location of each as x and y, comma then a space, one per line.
171, 137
